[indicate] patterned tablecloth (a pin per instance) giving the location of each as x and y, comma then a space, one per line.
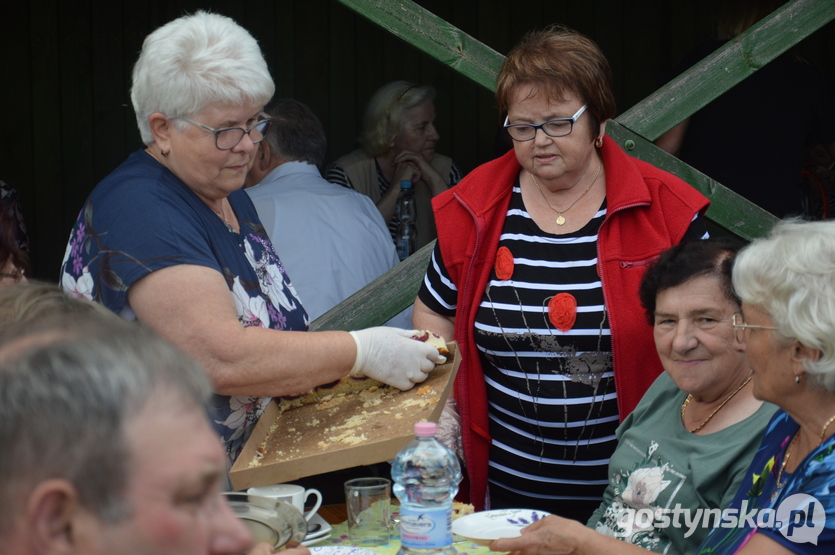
339, 537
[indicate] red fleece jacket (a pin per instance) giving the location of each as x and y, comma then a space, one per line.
648, 211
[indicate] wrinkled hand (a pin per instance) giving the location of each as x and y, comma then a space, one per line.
428, 173
552, 535
406, 170
449, 428
392, 357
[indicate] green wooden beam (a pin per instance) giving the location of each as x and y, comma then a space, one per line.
740, 57
731, 212
394, 291
434, 36
382, 299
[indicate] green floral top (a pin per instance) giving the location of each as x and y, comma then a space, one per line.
667, 485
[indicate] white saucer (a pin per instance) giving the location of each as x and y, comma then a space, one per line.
321, 533
270, 520
483, 527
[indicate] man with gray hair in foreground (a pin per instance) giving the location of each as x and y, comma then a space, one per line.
107, 447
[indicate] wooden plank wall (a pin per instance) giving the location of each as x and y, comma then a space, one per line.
66, 66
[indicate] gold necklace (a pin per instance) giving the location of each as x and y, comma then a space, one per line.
560, 218
823, 431
788, 454
717, 409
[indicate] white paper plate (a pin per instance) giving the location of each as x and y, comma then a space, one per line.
486, 526
339, 550
270, 520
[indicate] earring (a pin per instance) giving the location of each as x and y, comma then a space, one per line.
164, 154
797, 379
598, 142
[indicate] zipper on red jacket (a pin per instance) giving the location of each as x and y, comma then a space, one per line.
605, 302
639, 263
465, 292
478, 232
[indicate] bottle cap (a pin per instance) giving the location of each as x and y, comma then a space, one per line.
425, 429
405, 184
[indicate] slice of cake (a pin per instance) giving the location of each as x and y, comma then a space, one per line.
435, 340
461, 509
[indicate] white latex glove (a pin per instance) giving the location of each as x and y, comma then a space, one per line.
392, 357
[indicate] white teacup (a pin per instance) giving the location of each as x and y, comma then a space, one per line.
292, 494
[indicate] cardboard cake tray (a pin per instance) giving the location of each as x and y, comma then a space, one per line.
301, 442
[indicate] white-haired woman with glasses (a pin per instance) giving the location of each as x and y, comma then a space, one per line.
787, 285
171, 239
398, 143
536, 269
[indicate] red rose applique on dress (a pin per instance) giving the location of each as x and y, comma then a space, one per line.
562, 311
504, 263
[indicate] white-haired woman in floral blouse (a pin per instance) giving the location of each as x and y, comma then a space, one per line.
171, 239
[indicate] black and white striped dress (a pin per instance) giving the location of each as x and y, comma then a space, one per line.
552, 401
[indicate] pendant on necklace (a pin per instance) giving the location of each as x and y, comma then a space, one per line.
229, 227
560, 220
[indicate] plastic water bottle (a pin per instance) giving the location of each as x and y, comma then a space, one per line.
406, 236
426, 475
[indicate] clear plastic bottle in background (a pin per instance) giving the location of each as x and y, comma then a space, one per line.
406, 237
426, 475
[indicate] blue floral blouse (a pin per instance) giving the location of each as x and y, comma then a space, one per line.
142, 218
799, 514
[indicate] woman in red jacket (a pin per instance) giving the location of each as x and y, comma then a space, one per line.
536, 273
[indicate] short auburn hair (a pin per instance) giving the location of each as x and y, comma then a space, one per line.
556, 61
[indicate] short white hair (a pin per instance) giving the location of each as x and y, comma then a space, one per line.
791, 274
383, 119
196, 61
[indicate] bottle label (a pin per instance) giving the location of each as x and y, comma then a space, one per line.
425, 528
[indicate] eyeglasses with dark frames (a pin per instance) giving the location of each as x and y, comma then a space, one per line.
554, 128
740, 326
229, 137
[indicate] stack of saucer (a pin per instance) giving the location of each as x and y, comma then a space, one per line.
318, 530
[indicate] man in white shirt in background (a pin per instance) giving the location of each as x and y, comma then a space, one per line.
332, 240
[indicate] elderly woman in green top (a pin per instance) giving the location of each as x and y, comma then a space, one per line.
690, 439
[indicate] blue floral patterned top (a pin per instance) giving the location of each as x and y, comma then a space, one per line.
142, 218
799, 515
